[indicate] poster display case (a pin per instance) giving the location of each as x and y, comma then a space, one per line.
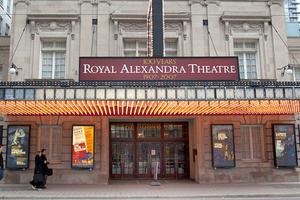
285, 154
83, 146
223, 155
17, 152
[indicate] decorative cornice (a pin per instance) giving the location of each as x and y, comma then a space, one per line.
274, 2
143, 17
216, 2
245, 16
205, 2
108, 2
93, 2
65, 17
27, 2
52, 23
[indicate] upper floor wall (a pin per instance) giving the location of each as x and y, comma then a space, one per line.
5, 16
57, 33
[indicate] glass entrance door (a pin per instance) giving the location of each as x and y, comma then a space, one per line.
135, 148
122, 159
175, 159
148, 154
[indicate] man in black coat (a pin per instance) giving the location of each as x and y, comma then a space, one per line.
44, 166
1, 163
38, 177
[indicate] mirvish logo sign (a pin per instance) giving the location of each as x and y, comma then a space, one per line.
158, 69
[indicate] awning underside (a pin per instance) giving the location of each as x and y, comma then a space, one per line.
149, 108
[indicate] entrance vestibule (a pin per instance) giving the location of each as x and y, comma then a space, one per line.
136, 147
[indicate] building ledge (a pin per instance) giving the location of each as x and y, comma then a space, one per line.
245, 16
68, 17
143, 17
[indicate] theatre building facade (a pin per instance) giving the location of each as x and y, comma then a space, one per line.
220, 107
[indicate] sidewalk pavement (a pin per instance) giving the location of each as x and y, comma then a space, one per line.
142, 190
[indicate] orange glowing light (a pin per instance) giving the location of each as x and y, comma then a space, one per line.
142, 108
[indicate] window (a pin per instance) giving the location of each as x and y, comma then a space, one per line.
246, 51
171, 47
297, 74
8, 6
138, 47
148, 130
7, 29
53, 59
135, 48
252, 140
51, 139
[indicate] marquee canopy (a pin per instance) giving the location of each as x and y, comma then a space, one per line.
202, 98
149, 108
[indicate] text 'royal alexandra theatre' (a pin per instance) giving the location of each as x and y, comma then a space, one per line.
191, 115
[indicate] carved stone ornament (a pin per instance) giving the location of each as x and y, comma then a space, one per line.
245, 28
205, 2
54, 26
132, 27
32, 29
142, 27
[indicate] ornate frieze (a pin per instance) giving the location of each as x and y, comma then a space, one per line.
142, 27
246, 28
53, 26
132, 26
60, 24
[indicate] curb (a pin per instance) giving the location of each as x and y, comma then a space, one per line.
158, 197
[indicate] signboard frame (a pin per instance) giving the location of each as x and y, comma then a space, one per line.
8, 146
276, 161
213, 141
116, 78
87, 167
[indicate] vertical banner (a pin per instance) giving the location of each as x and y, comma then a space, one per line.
17, 152
285, 154
223, 146
83, 147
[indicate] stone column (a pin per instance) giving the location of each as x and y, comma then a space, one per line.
104, 151
86, 29
200, 143
22, 53
216, 38
198, 32
280, 58
104, 44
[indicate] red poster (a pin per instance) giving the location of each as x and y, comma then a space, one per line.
83, 147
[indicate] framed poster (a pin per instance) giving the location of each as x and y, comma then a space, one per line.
83, 146
17, 152
285, 153
223, 146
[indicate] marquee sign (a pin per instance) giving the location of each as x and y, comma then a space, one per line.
158, 69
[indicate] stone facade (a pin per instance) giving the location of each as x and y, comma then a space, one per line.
118, 21
201, 169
